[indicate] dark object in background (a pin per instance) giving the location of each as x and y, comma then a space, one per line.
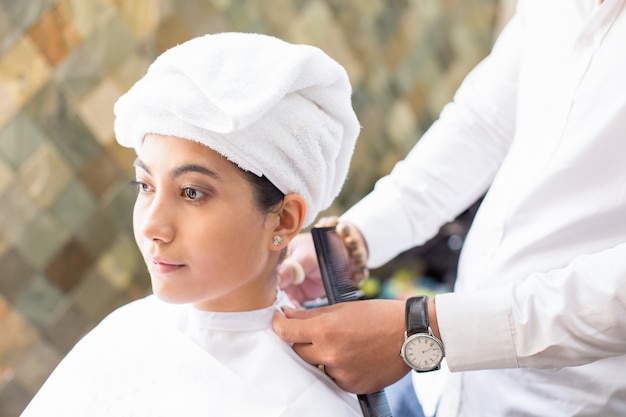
438, 258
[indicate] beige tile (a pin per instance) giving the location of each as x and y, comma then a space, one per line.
119, 263
317, 25
44, 175
87, 16
96, 110
132, 69
123, 157
23, 71
277, 12
400, 125
99, 173
142, 16
8, 104
171, 32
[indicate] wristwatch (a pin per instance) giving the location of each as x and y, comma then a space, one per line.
421, 350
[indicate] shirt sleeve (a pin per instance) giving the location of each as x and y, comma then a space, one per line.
576, 314
453, 163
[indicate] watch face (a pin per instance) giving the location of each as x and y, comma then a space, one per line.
422, 352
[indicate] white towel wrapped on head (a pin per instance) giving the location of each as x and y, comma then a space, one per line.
273, 108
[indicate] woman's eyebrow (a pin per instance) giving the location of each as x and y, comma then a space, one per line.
183, 169
140, 164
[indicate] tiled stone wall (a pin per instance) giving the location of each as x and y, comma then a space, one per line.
67, 255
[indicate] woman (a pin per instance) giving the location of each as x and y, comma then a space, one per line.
241, 140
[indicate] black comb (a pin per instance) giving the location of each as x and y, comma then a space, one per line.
334, 262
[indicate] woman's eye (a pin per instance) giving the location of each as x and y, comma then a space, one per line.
192, 193
142, 187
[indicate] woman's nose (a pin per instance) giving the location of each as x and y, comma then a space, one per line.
154, 218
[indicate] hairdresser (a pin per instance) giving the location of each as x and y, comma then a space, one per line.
536, 325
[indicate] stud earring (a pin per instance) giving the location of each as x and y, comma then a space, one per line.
278, 240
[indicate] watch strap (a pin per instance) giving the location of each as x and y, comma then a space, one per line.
417, 315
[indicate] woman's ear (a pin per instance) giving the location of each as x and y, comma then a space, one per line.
291, 218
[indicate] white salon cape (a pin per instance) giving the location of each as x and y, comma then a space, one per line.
150, 358
537, 323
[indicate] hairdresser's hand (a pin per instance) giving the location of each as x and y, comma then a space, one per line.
301, 254
358, 342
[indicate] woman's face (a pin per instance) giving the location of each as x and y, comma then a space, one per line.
197, 227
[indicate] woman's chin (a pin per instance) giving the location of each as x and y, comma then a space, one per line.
168, 296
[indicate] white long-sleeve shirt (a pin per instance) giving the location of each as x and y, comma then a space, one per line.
537, 322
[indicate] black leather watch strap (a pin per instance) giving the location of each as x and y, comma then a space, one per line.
417, 315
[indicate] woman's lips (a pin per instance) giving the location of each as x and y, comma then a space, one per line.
163, 266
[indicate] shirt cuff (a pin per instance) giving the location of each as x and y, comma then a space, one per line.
475, 330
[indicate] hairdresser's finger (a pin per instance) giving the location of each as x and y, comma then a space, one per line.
290, 272
300, 257
310, 353
285, 274
292, 330
301, 314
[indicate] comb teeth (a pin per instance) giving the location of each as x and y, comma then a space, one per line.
334, 262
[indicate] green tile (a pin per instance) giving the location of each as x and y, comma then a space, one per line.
86, 66
94, 296
44, 175
5, 244
74, 206
79, 73
119, 201
245, 16
387, 22
9, 34
19, 139
17, 211
37, 364
23, 14
67, 326
39, 301
13, 398
97, 233
66, 130
16, 275
114, 42
42, 239
7, 177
